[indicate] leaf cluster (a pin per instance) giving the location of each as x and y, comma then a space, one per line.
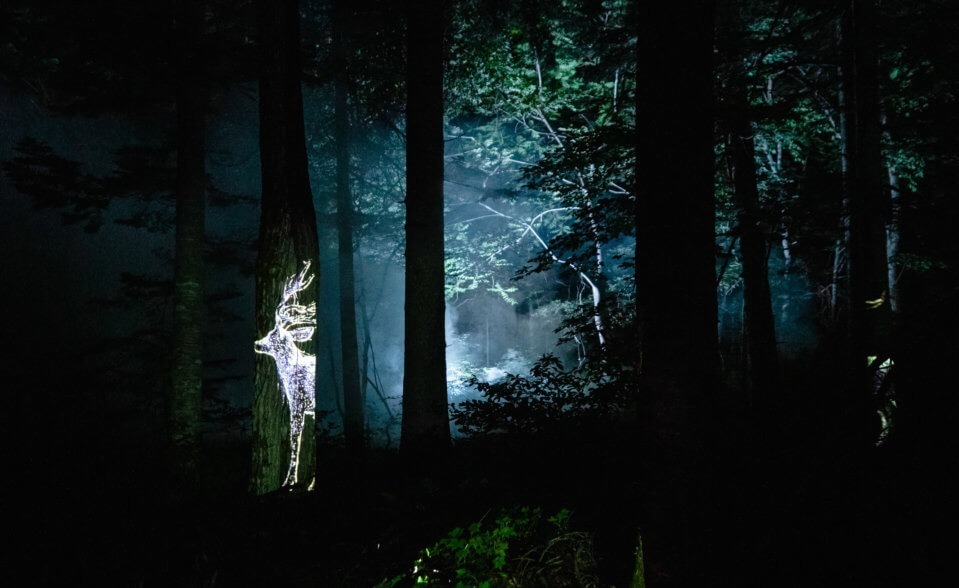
520, 547
549, 399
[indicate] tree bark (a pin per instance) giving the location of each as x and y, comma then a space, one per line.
869, 313
759, 326
188, 314
892, 238
675, 281
352, 398
425, 425
287, 236
759, 340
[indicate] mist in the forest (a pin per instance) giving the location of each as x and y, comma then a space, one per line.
795, 305
490, 330
495, 324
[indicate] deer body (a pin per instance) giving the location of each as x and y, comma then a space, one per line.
294, 323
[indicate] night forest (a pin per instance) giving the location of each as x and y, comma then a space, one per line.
479, 293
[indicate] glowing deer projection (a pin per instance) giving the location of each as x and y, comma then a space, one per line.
294, 323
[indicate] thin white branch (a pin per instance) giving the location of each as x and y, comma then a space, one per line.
596, 294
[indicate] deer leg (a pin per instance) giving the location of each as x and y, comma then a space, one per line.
291, 471
294, 451
296, 428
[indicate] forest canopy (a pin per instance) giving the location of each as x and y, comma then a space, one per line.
627, 287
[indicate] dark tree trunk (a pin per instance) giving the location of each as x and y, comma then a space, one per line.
188, 315
675, 281
425, 425
287, 234
760, 332
352, 398
865, 190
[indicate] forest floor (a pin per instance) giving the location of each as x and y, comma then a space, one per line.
788, 512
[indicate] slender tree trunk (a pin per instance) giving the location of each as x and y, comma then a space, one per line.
188, 315
892, 238
869, 314
761, 361
352, 398
760, 340
839, 286
287, 237
787, 251
675, 282
425, 425
837, 275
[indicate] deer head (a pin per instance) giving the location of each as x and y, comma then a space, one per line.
293, 323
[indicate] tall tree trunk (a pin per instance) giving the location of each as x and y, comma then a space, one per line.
352, 398
760, 341
425, 425
287, 237
675, 281
839, 284
892, 238
869, 314
188, 314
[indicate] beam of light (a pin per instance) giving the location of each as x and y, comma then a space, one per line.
294, 323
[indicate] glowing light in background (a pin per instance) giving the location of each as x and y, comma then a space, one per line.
294, 323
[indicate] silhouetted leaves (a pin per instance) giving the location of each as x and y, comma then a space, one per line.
550, 399
54, 182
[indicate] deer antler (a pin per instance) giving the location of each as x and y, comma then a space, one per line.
289, 312
297, 283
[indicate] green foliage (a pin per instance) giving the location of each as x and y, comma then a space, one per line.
541, 114
477, 259
504, 293
520, 547
919, 263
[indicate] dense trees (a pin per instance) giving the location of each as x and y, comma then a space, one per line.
751, 229
540, 108
581, 177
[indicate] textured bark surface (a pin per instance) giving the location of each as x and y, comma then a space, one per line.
425, 424
287, 232
188, 314
675, 281
892, 238
352, 399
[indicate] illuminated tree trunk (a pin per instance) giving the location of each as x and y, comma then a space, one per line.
188, 314
425, 425
892, 238
287, 236
675, 282
865, 189
352, 398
